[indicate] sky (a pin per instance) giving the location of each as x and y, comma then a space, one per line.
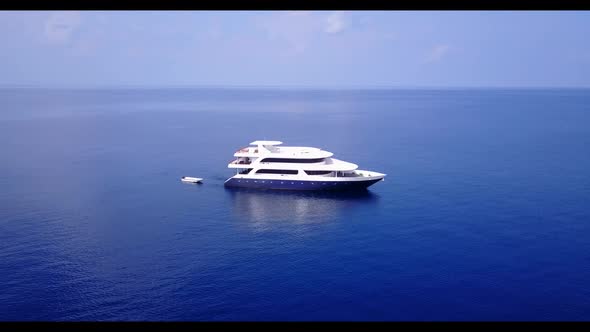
296, 48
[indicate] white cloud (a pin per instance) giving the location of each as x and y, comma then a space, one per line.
298, 13
213, 30
298, 30
295, 29
438, 52
335, 23
60, 26
83, 47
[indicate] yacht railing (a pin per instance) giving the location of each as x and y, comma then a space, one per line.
348, 175
242, 150
246, 150
239, 162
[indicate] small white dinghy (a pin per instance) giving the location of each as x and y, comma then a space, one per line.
190, 179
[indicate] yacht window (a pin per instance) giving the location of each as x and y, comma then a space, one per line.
318, 172
246, 171
289, 160
276, 171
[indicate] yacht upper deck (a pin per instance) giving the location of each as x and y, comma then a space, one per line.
270, 149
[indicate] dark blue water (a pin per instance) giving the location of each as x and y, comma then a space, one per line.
484, 214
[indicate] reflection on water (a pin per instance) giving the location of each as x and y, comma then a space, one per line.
264, 209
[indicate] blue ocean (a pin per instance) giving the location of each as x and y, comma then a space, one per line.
484, 213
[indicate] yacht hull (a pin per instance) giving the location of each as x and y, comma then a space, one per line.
300, 184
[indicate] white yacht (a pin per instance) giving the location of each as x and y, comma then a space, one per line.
267, 165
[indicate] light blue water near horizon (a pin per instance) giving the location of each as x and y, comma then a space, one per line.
483, 215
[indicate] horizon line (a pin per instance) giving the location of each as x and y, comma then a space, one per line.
293, 87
